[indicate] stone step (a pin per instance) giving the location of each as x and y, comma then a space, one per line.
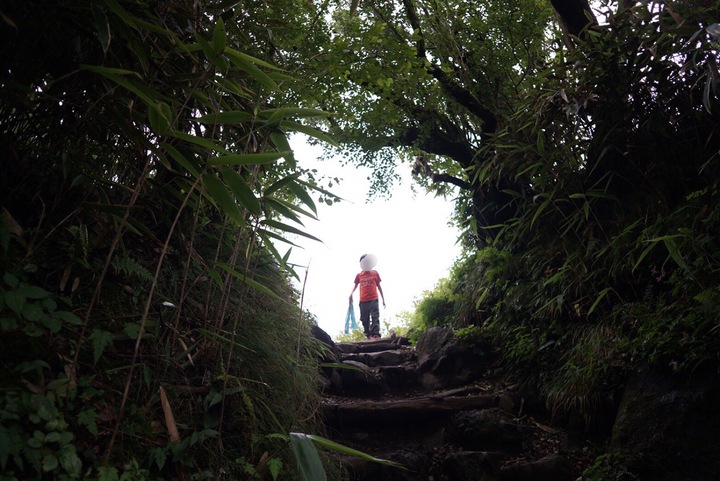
402, 410
389, 357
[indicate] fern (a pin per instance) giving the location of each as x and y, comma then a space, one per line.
131, 269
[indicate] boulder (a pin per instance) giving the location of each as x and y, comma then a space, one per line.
399, 377
445, 361
331, 353
475, 465
667, 427
487, 429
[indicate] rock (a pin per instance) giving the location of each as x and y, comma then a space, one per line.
552, 467
446, 361
383, 358
358, 377
399, 377
667, 427
331, 354
475, 465
487, 429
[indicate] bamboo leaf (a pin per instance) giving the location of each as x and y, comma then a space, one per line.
241, 189
146, 94
220, 196
231, 117
180, 159
599, 298
274, 235
287, 112
342, 449
219, 36
307, 458
309, 131
287, 228
280, 183
247, 159
201, 141
280, 142
674, 251
540, 210
288, 209
102, 26
298, 188
251, 59
249, 282
244, 62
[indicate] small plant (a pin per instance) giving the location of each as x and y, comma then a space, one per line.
608, 467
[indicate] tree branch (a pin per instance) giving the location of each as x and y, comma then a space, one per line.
459, 93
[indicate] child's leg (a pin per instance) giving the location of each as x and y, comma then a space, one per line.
374, 318
365, 317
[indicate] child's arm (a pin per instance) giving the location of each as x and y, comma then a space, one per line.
352, 292
381, 293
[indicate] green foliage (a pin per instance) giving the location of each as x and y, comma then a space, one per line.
608, 466
605, 256
148, 185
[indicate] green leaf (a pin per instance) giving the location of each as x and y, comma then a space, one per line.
50, 462
52, 323
674, 251
219, 36
342, 449
70, 461
309, 131
32, 312
102, 26
181, 159
232, 117
100, 341
141, 90
280, 141
246, 63
276, 206
68, 318
201, 141
107, 473
161, 117
87, 418
247, 159
14, 301
298, 188
287, 228
242, 190
307, 458
599, 298
11, 280
275, 467
251, 59
286, 112
249, 282
220, 195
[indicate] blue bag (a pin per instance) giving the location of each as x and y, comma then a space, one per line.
350, 322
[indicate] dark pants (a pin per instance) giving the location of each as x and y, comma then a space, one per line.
370, 317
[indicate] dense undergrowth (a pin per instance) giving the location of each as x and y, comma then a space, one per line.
606, 261
149, 327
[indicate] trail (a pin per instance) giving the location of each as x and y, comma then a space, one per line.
383, 405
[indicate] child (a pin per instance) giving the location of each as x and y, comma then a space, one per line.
369, 282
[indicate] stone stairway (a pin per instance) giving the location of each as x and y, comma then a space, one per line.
433, 411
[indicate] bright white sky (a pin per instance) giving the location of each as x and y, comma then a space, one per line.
409, 234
